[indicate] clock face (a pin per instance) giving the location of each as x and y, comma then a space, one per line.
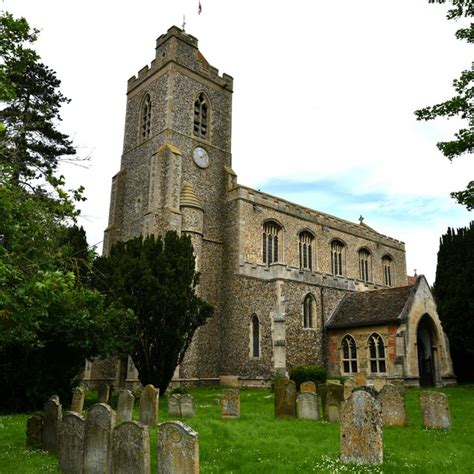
200, 157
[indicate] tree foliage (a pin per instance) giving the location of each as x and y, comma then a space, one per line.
461, 104
454, 293
156, 279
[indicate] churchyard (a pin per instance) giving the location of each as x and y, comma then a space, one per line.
256, 441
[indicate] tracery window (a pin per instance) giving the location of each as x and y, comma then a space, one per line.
201, 116
306, 250
337, 247
255, 330
364, 264
145, 118
349, 355
377, 354
270, 242
309, 311
387, 264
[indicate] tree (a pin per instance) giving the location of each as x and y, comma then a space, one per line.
454, 293
461, 104
156, 279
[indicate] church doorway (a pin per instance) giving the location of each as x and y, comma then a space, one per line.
427, 351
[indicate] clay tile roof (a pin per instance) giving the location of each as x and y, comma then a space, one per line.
188, 198
370, 308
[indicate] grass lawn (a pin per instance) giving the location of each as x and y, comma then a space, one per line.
259, 443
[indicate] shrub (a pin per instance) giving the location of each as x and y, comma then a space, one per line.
310, 373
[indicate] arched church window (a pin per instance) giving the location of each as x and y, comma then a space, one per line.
309, 311
201, 116
255, 330
387, 264
349, 355
364, 264
306, 250
377, 354
337, 248
145, 118
270, 249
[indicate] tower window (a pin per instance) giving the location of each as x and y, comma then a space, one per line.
337, 248
255, 339
270, 242
201, 115
364, 264
306, 251
349, 355
145, 118
377, 354
387, 264
309, 311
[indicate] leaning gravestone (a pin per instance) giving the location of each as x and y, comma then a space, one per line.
71, 443
34, 427
77, 403
52, 416
131, 449
149, 400
103, 393
173, 405
100, 423
349, 385
178, 449
230, 403
125, 406
308, 387
307, 406
361, 429
285, 398
186, 405
332, 395
392, 402
435, 410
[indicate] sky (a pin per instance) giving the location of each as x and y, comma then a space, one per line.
324, 94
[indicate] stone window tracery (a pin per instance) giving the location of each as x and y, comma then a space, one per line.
145, 118
349, 355
309, 311
364, 265
387, 264
306, 250
255, 340
377, 354
201, 116
270, 251
337, 248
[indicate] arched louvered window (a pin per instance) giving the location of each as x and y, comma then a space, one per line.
306, 250
387, 264
270, 242
364, 264
349, 355
145, 118
255, 339
309, 311
377, 354
337, 249
201, 116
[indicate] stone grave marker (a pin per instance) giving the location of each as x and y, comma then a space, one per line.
178, 449
131, 448
360, 378
173, 405
285, 398
308, 387
349, 385
103, 393
125, 406
186, 405
361, 433
34, 428
71, 443
332, 395
77, 403
435, 410
392, 402
149, 400
230, 403
100, 422
307, 406
231, 381
52, 416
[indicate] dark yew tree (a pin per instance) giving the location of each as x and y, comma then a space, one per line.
157, 281
454, 293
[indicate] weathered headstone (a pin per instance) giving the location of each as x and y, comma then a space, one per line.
103, 393
186, 405
307, 406
285, 398
361, 429
149, 400
231, 381
71, 443
332, 394
52, 416
349, 385
77, 403
360, 378
178, 449
435, 410
100, 423
131, 449
173, 405
230, 403
308, 387
34, 428
125, 406
392, 402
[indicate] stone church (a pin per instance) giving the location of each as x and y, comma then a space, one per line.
290, 285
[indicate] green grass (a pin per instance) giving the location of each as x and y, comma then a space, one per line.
259, 443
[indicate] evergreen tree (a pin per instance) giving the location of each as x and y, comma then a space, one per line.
156, 280
454, 293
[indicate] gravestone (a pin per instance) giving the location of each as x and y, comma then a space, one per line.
231, 381
77, 403
230, 403
360, 378
349, 385
307, 406
125, 405
392, 402
149, 400
34, 428
332, 395
178, 449
308, 387
173, 405
131, 449
52, 416
186, 405
71, 443
435, 410
361, 433
285, 398
103, 393
100, 423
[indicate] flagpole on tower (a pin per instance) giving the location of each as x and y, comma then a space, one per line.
184, 22
199, 8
